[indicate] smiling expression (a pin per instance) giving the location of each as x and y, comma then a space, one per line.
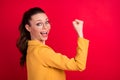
39, 27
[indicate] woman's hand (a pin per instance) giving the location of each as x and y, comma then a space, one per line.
78, 25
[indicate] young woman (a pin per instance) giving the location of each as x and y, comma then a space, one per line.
43, 63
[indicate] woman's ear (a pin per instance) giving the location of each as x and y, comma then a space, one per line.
27, 27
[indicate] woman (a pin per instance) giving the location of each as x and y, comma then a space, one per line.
43, 63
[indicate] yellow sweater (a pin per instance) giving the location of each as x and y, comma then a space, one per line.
43, 63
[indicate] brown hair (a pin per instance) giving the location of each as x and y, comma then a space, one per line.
22, 42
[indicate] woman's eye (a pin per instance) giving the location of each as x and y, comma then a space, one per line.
39, 24
47, 22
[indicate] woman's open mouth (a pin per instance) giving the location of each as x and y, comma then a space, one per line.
44, 34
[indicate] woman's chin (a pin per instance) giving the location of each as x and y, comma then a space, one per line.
44, 38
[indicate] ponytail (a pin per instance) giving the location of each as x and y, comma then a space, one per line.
22, 42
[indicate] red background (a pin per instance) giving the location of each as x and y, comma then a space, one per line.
101, 27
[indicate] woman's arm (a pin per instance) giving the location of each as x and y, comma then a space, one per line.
49, 58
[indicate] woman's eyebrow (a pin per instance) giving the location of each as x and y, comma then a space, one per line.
38, 20
41, 20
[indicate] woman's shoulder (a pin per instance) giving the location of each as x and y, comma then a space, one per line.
38, 45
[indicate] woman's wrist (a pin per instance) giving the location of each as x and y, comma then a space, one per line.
80, 35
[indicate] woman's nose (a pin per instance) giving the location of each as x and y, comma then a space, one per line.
44, 26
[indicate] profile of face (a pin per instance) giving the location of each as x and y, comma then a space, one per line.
39, 27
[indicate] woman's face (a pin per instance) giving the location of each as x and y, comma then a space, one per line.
39, 27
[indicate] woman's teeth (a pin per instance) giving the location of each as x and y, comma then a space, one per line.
43, 32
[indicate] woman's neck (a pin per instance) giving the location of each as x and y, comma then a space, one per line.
42, 42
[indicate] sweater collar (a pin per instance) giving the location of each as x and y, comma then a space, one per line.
34, 43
